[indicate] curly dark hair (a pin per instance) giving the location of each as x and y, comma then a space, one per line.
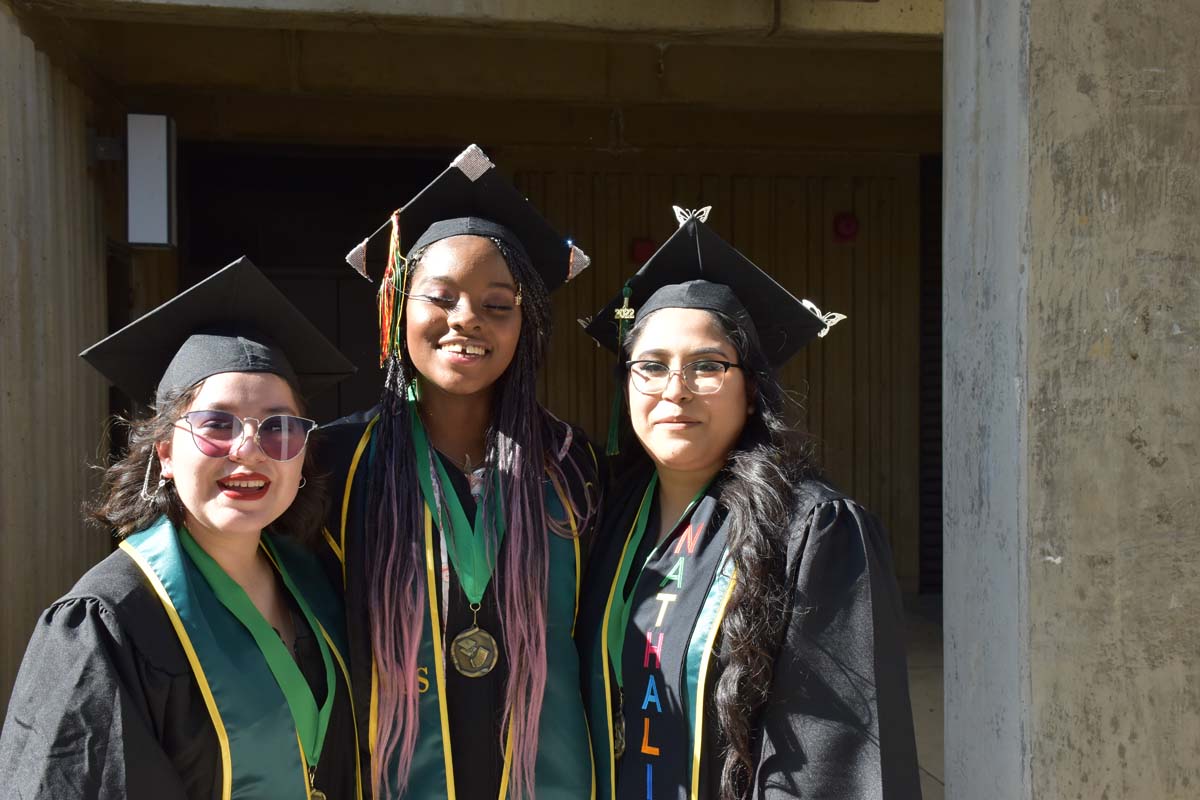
756, 490
119, 506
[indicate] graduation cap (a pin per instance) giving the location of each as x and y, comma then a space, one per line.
235, 320
469, 198
696, 268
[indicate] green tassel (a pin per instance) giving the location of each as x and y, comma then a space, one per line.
614, 423
623, 315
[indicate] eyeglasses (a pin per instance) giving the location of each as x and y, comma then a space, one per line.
700, 377
281, 437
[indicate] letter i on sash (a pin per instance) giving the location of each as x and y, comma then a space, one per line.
649, 781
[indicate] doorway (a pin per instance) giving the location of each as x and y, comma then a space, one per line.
295, 212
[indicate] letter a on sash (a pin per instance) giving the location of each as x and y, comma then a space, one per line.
675, 575
651, 695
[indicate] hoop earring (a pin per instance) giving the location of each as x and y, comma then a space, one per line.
145, 493
303, 482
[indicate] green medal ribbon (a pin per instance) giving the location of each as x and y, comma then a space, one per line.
311, 723
467, 542
624, 604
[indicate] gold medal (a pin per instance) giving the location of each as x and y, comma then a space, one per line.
474, 652
313, 792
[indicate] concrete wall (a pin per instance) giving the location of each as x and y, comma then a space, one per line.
985, 286
1071, 376
1114, 399
52, 289
917, 20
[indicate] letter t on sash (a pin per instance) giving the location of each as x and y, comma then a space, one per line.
664, 600
655, 649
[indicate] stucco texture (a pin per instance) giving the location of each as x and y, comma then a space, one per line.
1114, 400
1072, 375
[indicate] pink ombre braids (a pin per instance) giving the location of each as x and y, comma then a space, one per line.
524, 441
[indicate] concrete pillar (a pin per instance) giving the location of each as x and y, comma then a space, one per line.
1072, 399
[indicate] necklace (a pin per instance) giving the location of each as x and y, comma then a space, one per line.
473, 651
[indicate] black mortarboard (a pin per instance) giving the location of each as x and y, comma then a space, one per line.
235, 320
696, 268
471, 197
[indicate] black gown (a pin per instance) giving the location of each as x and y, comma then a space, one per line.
475, 706
106, 707
838, 721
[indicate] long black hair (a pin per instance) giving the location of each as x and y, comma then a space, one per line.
756, 491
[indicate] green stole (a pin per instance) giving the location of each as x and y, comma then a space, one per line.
261, 751
563, 769
602, 691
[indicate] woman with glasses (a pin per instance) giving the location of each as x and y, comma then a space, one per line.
741, 624
204, 658
463, 507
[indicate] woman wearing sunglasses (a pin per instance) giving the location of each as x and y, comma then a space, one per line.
741, 624
462, 505
204, 658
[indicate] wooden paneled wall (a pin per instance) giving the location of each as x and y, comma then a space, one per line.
857, 388
52, 288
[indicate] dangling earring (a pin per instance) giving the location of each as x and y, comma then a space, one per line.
519, 296
145, 493
303, 482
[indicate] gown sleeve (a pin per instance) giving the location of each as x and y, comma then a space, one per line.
336, 446
838, 723
80, 719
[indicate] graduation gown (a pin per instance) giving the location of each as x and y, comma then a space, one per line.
838, 721
459, 753
107, 704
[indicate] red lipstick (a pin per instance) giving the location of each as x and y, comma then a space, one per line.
245, 486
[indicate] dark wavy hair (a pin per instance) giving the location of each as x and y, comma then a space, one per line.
120, 507
525, 443
756, 491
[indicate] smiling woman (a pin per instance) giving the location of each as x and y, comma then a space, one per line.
741, 624
463, 329
203, 658
466, 507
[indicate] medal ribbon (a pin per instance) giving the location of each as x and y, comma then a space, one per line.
311, 723
467, 542
623, 604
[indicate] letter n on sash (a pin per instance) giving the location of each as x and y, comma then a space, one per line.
691, 535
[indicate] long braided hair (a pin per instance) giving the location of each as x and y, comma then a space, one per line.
756, 490
524, 443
